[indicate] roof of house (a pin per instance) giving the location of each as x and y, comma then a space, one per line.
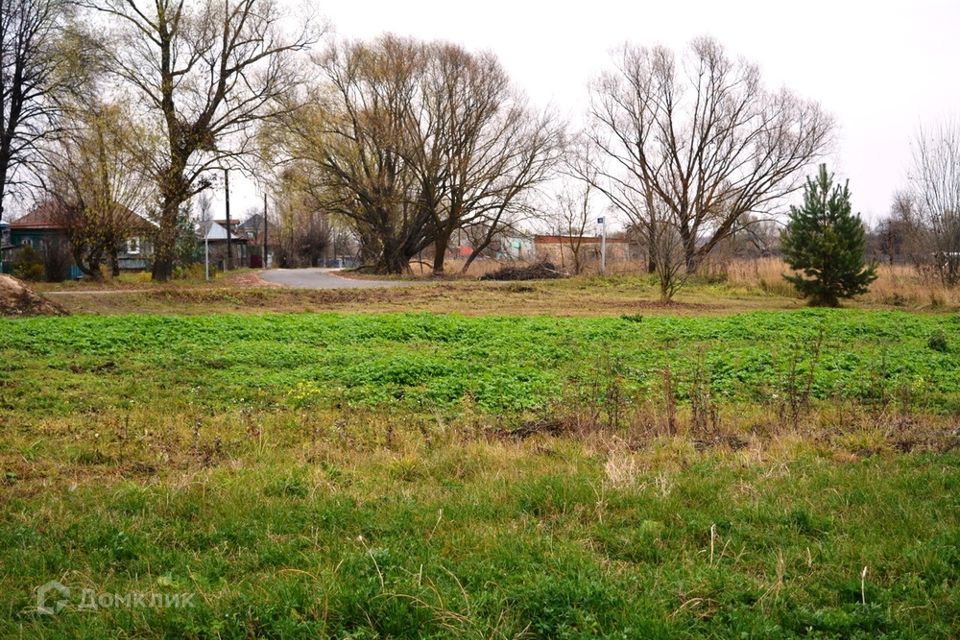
254, 225
253, 222
43, 216
46, 216
614, 239
212, 230
223, 222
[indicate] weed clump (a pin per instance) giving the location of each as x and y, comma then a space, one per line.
938, 341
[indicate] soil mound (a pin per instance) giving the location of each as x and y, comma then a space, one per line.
16, 299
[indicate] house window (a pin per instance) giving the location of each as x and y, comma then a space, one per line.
133, 246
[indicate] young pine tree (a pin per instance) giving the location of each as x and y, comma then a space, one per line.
824, 242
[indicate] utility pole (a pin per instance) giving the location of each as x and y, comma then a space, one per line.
205, 226
603, 245
226, 186
206, 251
265, 230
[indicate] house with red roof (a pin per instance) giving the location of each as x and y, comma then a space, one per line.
44, 229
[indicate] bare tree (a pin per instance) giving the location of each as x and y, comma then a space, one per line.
479, 150
305, 229
571, 219
351, 143
667, 252
936, 198
94, 174
204, 208
412, 142
39, 64
899, 237
501, 203
701, 137
208, 71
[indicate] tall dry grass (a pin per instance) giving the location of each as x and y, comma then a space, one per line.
898, 284
482, 266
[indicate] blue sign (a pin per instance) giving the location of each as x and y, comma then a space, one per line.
599, 220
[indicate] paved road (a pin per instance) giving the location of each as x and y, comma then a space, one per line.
323, 279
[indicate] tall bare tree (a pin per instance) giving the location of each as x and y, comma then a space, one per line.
38, 66
936, 197
701, 136
571, 219
94, 172
208, 71
900, 235
413, 141
351, 144
479, 148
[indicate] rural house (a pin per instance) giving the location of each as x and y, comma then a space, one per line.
213, 237
253, 229
559, 249
44, 230
5, 245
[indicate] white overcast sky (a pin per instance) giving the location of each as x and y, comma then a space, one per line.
880, 68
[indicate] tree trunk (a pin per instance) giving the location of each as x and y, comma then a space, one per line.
690, 257
440, 252
164, 246
89, 265
392, 265
3, 189
393, 260
651, 252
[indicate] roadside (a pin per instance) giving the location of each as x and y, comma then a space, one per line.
317, 278
318, 290
570, 297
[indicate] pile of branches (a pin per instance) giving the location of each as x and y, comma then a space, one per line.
537, 271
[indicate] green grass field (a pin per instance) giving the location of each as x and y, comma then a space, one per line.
769, 474
442, 362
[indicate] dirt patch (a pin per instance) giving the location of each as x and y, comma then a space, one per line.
248, 279
16, 299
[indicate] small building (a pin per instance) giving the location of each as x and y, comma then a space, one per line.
559, 249
44, 230
5, 245
461, 252
214, 238
253, 228
516, 247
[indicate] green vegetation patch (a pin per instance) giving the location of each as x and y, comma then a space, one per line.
52, 366
546, 539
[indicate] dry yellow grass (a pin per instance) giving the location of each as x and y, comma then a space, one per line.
724, 286
896, 285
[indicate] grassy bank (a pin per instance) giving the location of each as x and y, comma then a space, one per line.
426, 533
497, 365
770, 474
739, 288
